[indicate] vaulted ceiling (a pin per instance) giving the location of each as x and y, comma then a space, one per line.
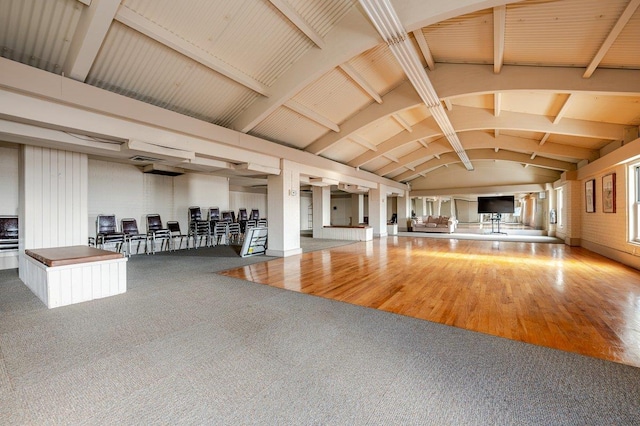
537, 87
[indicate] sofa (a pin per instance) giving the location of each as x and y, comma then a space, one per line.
434, 224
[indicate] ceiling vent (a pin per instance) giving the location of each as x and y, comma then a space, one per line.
143, 159
159, 169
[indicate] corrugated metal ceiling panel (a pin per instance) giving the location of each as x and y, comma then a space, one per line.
344, 151
289, 127
610, 109
136, 66
467, 38
625, 51
250, 35
321, 15
567, 32
541, 103
38, 33
379, 68
334, 96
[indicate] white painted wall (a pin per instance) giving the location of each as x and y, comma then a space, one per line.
249, 201
125, 191
9, 180
341, 210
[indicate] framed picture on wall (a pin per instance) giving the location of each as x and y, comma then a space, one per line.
590, 195
609, 193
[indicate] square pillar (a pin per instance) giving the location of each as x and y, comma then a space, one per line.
283, 201
404, 211
321, 209
378, 210
357, 209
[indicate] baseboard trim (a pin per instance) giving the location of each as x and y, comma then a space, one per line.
617, 255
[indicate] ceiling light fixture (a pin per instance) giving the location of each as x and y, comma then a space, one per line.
388, 25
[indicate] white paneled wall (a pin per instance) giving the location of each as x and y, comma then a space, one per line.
53, 208
9, 180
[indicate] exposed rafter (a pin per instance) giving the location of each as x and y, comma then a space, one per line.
312, 115
163, 36
361, 81
401, 121
563, 109
479, 140
613, 34
95, 21
386, 21
485, 154
448, 104
424, 49
544, 138
497, 103
363, 142
468, 119
499, 26
298, 21
463, 79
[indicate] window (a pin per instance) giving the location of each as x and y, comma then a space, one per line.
560, 204
634, 204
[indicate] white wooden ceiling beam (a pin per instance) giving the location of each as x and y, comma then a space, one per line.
424, 49
392, 158
300, 23
361, 81
474, 140
452, 80
485, 154
544, 138
563, 109
139, 23
311, 115
497, 103
466, 119
95, 21
448, 104
401, 121
363, 142
611, 37
499, 26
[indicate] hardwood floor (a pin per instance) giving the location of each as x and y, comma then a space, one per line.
547, 294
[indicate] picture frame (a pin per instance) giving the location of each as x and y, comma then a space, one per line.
590, 195
609, 193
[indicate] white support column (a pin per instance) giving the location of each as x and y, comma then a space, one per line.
404, 211
378, 210
283, 200
357, 209
53, 196
437, 207
321, 209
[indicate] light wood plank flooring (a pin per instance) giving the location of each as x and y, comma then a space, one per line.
547, 294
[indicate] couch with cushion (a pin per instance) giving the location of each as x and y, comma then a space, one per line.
434, 224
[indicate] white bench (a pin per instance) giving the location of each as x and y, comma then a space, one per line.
65, 275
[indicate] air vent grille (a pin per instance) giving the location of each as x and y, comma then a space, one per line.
143, 159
